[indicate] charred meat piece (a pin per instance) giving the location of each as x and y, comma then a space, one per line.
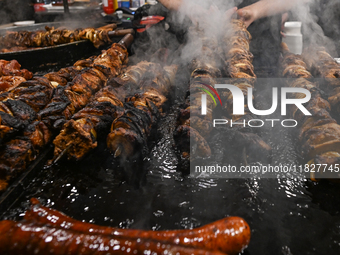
8, 83
129, 132
192, 125
79, 135
18, 107
12, 68
15, 115
77, 94
15, 156
324, 67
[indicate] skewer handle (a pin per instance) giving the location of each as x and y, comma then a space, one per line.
121, 32
127, 40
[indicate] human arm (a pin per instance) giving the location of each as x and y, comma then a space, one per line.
187, 7
171, 4
265, 8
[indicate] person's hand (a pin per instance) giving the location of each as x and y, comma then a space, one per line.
247, 14
229, 13
200, 14
285, 17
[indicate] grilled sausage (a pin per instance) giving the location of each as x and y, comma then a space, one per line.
230, 235
30, 238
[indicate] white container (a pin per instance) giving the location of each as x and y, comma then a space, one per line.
152, 2
293, 37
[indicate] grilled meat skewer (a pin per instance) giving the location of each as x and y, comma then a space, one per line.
52, 36
33, 95
20, 106
193, 128
319, 134
239, 68
75, 95
130, 131
79, 135
323, 66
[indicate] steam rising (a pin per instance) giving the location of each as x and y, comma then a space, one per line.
208, 17
312, 16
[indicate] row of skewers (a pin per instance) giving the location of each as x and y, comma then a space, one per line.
239, 69
130, 104
319, 134
134, 100
195, 128
23, 40
66, 103
49, 105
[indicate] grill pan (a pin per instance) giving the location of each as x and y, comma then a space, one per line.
52, 57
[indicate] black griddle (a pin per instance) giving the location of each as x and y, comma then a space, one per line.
287, 216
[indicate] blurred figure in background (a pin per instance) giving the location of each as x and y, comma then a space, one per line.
264, 20
16, 10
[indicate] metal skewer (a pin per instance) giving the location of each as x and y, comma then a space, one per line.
118, 151
60, 156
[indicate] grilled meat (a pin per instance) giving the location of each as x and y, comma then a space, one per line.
323, 66
63, 76
51, 37
79, 135
77, 94
20, 106
319, 134
31, 238
12, 68
11, 75
230, 235
17, 153
192, 125
10, 82
239, 68
130, 131
65, 102
237, 65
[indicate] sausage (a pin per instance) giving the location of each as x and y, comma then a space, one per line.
34, 239
230, 235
